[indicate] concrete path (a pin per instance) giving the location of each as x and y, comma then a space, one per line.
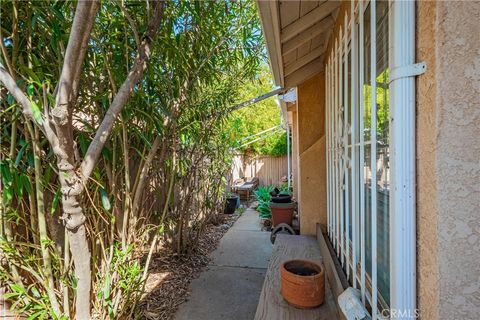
231, 286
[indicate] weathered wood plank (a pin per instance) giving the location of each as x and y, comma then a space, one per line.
289, 12
271, 304
308, 20
304, 73
307, 35
300, 62
270, 23
289, 58
307, 6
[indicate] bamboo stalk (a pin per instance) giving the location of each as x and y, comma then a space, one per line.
42, 224
6, 229
164, 213
127, 206
66, 263
142, 178
32, 199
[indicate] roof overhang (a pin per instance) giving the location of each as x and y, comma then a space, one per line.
296, 34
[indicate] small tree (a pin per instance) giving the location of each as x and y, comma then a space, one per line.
56, 124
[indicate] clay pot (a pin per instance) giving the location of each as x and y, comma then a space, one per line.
282, 213
303, 283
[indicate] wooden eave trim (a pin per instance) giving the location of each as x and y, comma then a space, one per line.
275, 11
269, 17
306, 72
303, 23
308, 34
300, 62
339, 24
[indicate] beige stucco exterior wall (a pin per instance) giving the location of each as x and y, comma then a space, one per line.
295, 154
313, 203
427, 240
311, 111
448, 160
311, 148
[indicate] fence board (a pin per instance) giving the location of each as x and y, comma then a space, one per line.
269, 170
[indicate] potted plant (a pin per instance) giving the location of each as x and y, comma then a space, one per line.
232, 202
281, 207
303, 283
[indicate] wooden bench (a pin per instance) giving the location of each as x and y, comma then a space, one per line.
244, 187
271, 305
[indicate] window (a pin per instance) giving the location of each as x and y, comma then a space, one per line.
358, 151
377, 135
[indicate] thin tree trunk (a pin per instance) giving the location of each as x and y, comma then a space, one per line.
81, 259
72, 186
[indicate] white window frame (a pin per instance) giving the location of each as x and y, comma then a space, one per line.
402, 155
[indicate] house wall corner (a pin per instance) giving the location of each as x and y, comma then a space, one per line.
448, 165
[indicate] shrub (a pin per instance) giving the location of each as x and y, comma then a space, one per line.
263, 197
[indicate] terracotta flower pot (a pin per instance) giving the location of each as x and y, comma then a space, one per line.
282, 213
303, 283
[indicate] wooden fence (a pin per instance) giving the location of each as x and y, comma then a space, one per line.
269, 170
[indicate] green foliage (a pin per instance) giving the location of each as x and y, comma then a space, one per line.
263, 193
240, 210
284, 189
258, 117
121, 277
383, 105
31, 300
263, 197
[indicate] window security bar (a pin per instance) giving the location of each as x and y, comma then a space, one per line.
359, 150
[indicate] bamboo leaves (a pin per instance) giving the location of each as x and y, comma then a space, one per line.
55, 202
37, 113
105, 201
7, 182
164, 69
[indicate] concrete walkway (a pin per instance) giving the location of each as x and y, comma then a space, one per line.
231, 286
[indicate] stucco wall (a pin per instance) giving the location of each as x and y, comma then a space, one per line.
311, 145
427, 240
311, 111
295, 154
448, 197
313, 185
458, 158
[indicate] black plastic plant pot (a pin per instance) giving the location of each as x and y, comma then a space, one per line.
230, 204
282, 198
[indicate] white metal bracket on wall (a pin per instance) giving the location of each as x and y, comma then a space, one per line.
408, 71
